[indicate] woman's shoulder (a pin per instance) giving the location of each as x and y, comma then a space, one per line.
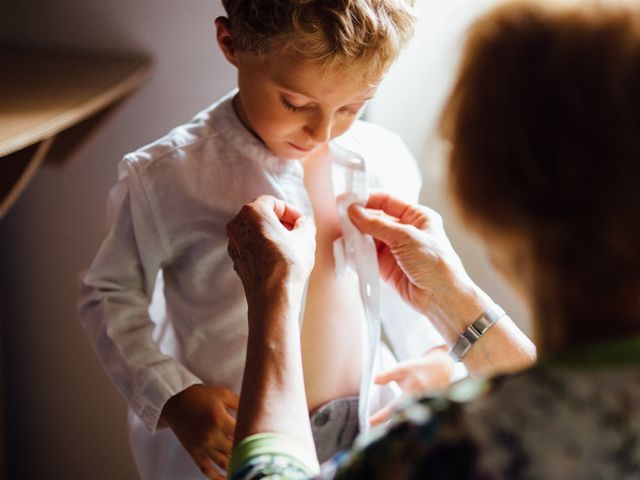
540, 422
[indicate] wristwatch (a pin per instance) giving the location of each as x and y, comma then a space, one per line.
473, 333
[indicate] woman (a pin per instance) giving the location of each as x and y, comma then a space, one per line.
544, 126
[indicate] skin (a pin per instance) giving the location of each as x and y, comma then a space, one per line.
415, 257
200, 418
295, 108
430, 373
332, 320
272, 246
291, 104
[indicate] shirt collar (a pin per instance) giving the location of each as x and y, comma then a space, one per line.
238, 134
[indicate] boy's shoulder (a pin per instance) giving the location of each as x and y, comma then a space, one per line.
202, 136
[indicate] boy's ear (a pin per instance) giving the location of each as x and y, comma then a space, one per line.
225, 40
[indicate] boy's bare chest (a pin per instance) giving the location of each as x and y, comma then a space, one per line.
319, 184
333, 315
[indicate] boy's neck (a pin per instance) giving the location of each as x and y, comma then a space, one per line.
239, 110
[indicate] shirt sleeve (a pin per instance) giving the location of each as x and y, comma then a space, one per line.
271, 456
114, 300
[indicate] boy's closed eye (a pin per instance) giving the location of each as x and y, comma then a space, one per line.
293, 106
297, 107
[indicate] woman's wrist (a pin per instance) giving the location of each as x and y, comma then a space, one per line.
276, 300
455, 308
279, 285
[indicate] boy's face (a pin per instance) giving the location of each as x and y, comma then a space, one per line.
294, 106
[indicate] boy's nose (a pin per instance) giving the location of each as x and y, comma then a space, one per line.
318, 128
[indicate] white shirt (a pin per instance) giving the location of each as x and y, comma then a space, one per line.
167, 243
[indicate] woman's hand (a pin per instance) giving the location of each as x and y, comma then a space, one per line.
272, 246
417, 258
273, 250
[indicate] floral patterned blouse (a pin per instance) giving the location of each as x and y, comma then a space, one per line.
574, 418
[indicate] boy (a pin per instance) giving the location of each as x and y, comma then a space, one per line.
305, 71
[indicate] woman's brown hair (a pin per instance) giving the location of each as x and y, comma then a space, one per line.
544, 126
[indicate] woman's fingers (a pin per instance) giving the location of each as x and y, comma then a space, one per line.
260, 244
287, 214
378, 226
406, 213
417, 215
390, 205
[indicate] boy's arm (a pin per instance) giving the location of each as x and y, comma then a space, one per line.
113, 308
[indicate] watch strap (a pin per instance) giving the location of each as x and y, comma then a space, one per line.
475, 331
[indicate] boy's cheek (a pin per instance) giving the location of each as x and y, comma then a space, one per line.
343, 127
271, 120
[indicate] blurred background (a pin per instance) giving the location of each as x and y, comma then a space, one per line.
63, 418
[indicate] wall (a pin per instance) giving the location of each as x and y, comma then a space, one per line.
65, 419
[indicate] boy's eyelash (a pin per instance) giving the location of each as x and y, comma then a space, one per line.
288, 106
294, 108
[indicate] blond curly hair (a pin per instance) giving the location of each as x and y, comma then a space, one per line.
369, 33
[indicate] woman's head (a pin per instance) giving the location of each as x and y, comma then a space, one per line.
544, 126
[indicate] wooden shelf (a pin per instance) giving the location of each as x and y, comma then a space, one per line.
45, 94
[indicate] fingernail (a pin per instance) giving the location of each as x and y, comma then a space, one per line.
359, 209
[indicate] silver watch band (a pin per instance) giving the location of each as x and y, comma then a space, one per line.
473, 333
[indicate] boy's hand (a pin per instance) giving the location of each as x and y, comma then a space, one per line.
199, 417
431, 372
